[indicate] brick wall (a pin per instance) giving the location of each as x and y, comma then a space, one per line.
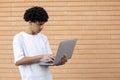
96, 24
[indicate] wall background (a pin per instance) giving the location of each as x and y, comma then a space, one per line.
96, 24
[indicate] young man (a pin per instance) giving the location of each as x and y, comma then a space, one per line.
31, 46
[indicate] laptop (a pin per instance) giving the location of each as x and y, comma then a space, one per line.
66, 47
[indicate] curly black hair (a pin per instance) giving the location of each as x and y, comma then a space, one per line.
36, 14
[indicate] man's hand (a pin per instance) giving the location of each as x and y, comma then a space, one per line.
63, 60
49, 57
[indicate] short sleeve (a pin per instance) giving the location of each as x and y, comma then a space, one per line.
17, 48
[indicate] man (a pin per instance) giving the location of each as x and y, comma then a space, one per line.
31, 46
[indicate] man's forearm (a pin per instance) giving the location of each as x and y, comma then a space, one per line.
28, 60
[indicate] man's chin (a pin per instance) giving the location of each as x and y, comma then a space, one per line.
38, 32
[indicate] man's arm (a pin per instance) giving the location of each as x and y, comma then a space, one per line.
29, 60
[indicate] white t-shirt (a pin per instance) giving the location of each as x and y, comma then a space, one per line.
28, 45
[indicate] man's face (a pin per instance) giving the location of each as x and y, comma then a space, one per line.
36, 27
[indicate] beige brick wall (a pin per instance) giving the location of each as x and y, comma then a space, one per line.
96, 24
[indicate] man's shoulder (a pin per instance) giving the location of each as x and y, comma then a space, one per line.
43, 36
18, 35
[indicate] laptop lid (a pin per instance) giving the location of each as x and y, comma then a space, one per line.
66, 47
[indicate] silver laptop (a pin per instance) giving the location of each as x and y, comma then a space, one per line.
66, 47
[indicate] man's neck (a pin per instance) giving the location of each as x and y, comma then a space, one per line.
30, 32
